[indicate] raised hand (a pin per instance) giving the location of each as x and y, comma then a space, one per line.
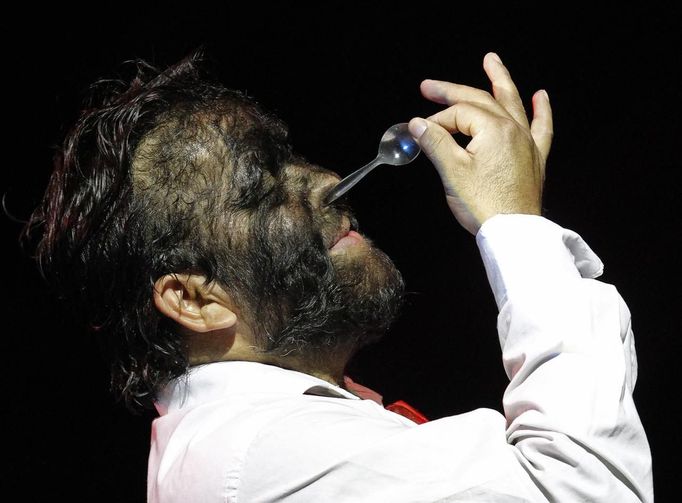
502, 168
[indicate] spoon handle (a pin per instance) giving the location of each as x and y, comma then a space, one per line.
347, 183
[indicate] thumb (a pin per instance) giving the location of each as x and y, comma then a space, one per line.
440, 147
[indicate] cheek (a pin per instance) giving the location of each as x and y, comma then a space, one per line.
289, 221
235, 232
292, 226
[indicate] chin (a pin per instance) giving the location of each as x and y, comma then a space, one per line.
364, 266
353, 253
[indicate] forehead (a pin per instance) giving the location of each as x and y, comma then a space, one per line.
236, 149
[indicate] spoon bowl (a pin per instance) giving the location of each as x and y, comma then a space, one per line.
397, 148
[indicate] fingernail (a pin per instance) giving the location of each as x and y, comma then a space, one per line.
546, 95
495, 57
417, 127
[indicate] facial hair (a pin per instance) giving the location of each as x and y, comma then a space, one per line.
308, 303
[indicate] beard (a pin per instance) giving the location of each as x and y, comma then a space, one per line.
308, 304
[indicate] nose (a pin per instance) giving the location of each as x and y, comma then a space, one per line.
319, 193
325, 188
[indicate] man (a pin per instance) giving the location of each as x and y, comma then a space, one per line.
231, 297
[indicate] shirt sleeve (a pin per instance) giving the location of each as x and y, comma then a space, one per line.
568, 350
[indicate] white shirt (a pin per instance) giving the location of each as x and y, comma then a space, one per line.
246, 432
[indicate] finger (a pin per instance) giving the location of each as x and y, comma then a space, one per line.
448, 93
504, 89
467, 118
492, 110
438, 145
542, 128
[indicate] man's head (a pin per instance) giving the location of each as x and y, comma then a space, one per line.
186, 230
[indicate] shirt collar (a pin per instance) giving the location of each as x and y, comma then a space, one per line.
212, 381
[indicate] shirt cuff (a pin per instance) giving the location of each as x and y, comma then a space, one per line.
524, 251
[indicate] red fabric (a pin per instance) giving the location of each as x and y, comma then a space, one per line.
400, 407
363, 391
405, 409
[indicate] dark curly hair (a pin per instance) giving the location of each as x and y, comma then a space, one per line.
170, 172
143, 164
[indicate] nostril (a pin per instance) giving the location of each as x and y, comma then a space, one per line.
340, 205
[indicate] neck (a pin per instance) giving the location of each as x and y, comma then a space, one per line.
332, 372
226, 346
331, 375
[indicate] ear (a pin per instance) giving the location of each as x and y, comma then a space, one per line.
188, 300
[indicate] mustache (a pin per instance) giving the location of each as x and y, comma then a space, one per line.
342, 207
340, 212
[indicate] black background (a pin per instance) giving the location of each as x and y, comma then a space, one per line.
339, 77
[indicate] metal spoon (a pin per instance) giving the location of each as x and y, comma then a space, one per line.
397, 147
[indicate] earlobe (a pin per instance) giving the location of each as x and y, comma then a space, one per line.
185, 299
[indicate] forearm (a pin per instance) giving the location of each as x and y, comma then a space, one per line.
568, 350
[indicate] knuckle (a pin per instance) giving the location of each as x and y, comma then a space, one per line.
437, 141
498, 88
487, 95
546, 132
543, 131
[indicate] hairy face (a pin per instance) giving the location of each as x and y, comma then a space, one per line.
320, 287
308, 285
